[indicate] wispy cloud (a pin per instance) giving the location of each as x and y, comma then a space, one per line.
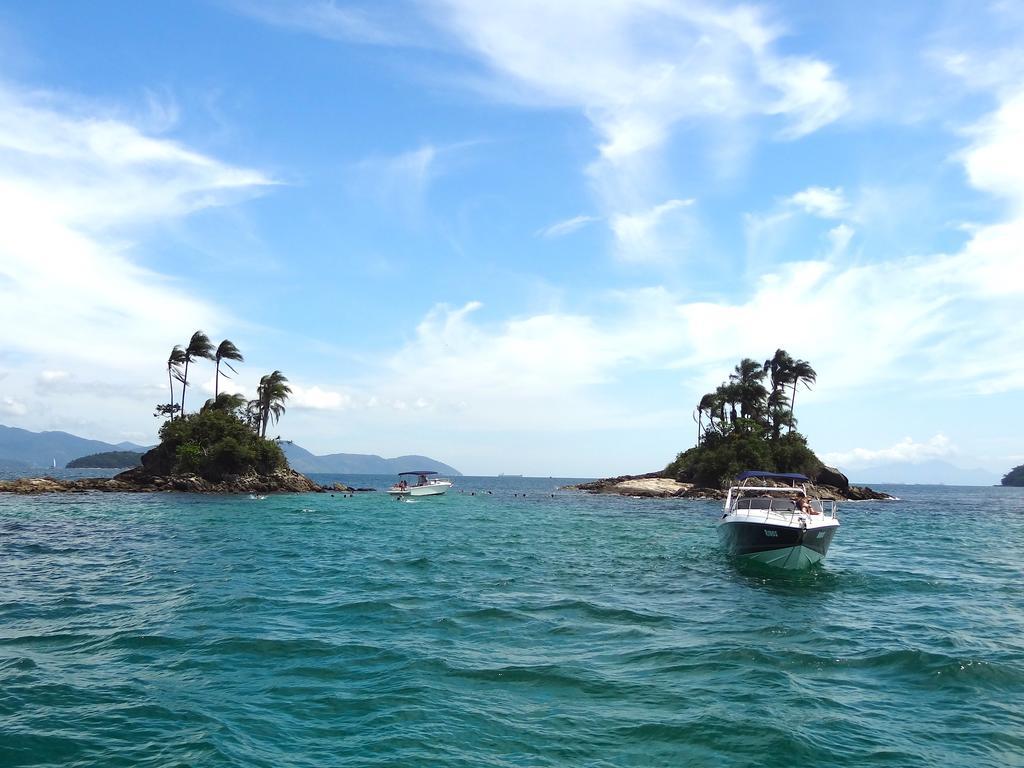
372, 24
640, 70
566, 227
637, 71
316, 398
402, 181
909, 317
906, 450
73, 182
821, 201
646, 235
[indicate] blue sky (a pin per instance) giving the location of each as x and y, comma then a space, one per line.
519, 236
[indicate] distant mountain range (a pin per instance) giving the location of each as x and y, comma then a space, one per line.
360, 463
923, 473
22, 450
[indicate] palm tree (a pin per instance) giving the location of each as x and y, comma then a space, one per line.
706, 405
271, 394
800, 371
747, 378
252, 415
778, 368
199, 346
732, 394
778, 412
174, 361
225, 402
226, 350
718, 407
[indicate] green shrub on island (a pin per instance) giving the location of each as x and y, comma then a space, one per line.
1015, 477
214, 444
107, 460
744, 425
719, 458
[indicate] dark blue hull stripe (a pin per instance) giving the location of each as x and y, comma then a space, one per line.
745, 538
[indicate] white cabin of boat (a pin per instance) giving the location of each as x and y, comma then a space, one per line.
426, 484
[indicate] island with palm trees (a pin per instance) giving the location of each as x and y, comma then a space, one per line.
747, 422
220, 448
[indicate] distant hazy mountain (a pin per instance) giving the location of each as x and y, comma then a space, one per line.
9, 465
360, 463
925, 473
39, 449
21, 449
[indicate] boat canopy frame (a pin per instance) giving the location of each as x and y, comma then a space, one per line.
428, 472
746, 475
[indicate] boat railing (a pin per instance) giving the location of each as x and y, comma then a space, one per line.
780, 505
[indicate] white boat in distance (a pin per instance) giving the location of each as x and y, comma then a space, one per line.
783, 527
426, 485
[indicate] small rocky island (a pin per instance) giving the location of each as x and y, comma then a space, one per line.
746, 423
221, 448
829, 484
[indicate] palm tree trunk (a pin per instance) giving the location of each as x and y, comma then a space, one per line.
170, 384
216, 381
792, 404
184, 383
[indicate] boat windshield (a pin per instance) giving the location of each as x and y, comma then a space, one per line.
766, 503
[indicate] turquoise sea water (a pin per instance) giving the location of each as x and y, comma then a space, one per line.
499, 629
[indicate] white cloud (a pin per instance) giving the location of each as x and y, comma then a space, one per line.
566, 227
402, 181
821, 201
74, 182
839, 238
906, 450
647, 235
335, 22
995, 161
637, 70
862, 324
317, 399
11, 407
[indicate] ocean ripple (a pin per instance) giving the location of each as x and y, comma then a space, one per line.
502, 630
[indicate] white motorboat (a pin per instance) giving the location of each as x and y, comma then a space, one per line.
425, 485
780, 526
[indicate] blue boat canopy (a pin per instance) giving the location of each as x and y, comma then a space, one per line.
775, 475
417, 473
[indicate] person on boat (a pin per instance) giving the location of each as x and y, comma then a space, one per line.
402, 484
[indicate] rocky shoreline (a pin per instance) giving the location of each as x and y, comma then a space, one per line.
654, 485
137, 480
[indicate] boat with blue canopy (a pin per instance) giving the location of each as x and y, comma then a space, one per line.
425, 484
772, 518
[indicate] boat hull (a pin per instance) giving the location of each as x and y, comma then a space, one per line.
790, 547
433, 489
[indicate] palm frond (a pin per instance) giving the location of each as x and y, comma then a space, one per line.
227, 350
199, 346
